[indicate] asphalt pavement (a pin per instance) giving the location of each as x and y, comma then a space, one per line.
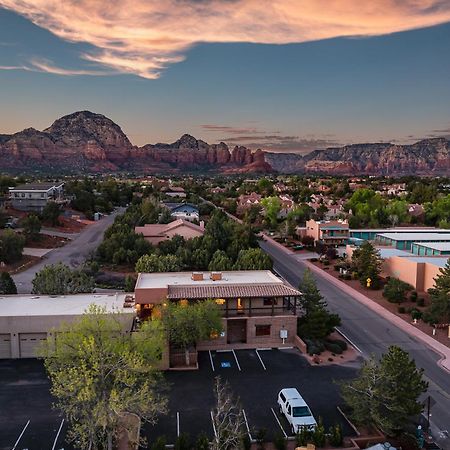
373, 334
73, 253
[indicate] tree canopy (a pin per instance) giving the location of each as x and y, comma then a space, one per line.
366, 262
439, 310
7, 285
11, 246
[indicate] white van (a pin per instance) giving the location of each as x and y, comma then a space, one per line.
295, 409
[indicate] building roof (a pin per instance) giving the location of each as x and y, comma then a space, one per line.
63, 305
175, 206
417, 236
161, 229
401, 230
237, 283
236, 291
438, 261
36, 186
440, 246
387, 252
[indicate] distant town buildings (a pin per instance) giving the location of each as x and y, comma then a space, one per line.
184, 211
34, 197
330, 232
156, 233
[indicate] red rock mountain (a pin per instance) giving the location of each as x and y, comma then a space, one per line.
88, 142
85, 142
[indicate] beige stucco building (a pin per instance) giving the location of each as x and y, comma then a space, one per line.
156, 233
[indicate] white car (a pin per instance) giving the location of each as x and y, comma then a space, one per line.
295, 409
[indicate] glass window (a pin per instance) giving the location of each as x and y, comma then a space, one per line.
262, 330
301, 411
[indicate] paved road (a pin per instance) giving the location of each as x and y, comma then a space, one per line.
73, 254
374, 334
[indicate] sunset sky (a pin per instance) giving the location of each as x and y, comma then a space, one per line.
284, 75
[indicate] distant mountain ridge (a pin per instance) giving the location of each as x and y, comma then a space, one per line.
86, 142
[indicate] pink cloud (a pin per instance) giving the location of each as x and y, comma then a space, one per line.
143, 37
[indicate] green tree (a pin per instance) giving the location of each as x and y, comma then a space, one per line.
395, 290
59, 279
31, 227
11, 246
253, 259
386, 394
272, 207
397, 212
7, 285
367, 207
187, 324
157, 263
265, 186
439, 310
51, 213
316, 321
99, 374
220, 261
219, 230
3, 218
366, 261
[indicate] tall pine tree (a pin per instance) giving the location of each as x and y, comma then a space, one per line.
439, 310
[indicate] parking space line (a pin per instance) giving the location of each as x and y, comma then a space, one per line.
178, 424
214, 427
345, 337
212, 362
57, 434
260, 359
279, 423
246, 425
237, 362
21, 434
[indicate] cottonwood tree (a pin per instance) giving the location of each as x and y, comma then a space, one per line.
386, 393
99, 374
187, 324
227, 417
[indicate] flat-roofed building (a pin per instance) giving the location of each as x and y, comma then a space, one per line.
370, 234
431, 248
330, 232
28, 320
259, 309
404, 241
35, 196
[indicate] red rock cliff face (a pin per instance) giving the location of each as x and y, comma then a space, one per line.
88, 142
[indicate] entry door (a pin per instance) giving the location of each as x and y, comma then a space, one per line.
5, 346
237, 331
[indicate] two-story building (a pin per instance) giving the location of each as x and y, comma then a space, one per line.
330, 232
259, 309
35, 196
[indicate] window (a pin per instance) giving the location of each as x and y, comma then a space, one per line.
301, 411
270, 301
283, 398
262, 330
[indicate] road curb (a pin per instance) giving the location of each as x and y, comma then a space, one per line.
439, 348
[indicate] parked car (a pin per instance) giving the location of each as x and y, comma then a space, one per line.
11, 223
299, 247
295, 409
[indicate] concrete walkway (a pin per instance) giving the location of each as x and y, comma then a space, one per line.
39, 252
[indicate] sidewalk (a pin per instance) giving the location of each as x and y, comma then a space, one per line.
444, 351
429, 341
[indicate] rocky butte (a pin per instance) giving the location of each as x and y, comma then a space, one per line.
85, 142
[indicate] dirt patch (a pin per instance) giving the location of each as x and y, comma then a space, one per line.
24, 263
377, 296
46, 241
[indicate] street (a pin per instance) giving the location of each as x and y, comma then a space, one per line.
73, 253
373, 334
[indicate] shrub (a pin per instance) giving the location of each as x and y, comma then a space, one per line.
333, 347
401, 310
413, 296
395, 290
326, 262
159, 444
280, 442
347, 276
313, 259
339, 342
202, 442
416, 314
303, 437
261, 437
246, 442
335, 436
314, 347
421, 301
183, 442
319, 435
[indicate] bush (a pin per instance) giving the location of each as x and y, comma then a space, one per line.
280, 442
313, 259
303, 437
246, 442
395, 290
202, 442
416, 314
261, 437
347, 276
339, 342
421, 301
319, 435
314, 347
183, 442
333, 348
326, 262
335, 436
413, 296
159, 444
401, 310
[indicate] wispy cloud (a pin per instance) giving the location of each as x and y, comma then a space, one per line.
143, 37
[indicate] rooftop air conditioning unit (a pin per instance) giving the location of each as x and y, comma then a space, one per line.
197, 276
216, 276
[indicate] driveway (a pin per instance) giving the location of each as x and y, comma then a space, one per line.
73, 253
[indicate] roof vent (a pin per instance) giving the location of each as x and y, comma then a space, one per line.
216, 276
197, 276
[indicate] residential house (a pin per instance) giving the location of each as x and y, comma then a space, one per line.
35, 196
175, 191
185, 211
416, 210
287, 205
246, 201
330, 232
156, 233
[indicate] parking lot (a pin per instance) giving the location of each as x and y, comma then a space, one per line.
256, 377
27, 420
